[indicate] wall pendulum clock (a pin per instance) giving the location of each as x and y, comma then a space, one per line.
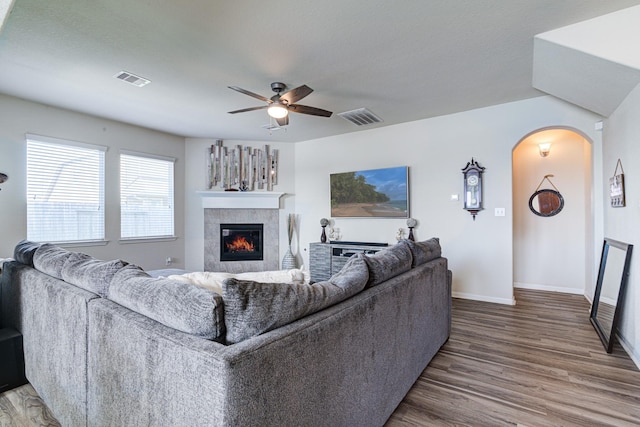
473, 187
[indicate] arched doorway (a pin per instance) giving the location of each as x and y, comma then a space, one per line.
553, 253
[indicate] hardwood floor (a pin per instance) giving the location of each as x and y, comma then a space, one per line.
539, 363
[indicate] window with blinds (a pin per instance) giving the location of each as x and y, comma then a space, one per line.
65, 190
146, 196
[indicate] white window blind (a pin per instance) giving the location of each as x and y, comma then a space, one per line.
65, 190
146, 196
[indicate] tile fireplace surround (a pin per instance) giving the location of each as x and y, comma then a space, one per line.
241, 208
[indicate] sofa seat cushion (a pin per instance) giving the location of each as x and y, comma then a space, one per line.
388, 263
252, 308
24, 251
89, 273
179, 305
50, 259
425, 251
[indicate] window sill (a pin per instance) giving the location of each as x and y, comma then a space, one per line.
80, 243
147, 239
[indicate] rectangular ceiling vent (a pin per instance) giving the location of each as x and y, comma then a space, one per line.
360, 117
132, 78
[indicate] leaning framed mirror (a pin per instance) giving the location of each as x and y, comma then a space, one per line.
610, 289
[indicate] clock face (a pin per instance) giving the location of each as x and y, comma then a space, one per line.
472, 180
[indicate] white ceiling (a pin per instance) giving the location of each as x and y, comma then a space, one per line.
404, 60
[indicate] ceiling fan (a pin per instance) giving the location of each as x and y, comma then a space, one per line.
279, 105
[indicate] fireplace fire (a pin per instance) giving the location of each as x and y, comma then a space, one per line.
241, 242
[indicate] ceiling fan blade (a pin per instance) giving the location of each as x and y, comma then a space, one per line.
304, 109
284, 121
295, 95
244, 110
246, 92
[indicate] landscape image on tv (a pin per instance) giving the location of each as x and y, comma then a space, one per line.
371, 193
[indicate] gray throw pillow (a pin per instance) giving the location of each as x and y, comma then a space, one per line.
424, 251
50, 259
252, 308
388, 263
89, 273
23, 253
179, 305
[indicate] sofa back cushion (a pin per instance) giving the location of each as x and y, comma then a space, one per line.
252, 308
50, 259
89, 273
424, 251
388, 263
23, 253
179, 305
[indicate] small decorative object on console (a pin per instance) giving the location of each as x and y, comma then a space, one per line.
411, 223
334, 233
323, 223
472, 173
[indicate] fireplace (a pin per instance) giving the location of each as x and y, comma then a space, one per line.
241, 242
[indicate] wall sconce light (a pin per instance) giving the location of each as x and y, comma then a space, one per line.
544, 148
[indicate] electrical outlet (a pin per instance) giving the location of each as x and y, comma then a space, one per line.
500, 212
168, 261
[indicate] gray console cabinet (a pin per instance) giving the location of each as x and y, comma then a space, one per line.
326, 259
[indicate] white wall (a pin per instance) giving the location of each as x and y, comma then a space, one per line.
480, 251
620, 141
196, 152
551, 253
18, 117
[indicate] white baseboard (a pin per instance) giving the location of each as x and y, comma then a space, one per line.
548, 288
483, 298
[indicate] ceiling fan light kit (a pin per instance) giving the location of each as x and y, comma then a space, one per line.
277, 110
279, 105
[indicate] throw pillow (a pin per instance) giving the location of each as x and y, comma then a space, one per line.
23, 253
179, 305
50, 259
424, 251
252, 308
89, 273
388, 263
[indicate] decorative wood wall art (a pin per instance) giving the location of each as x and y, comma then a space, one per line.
242, 168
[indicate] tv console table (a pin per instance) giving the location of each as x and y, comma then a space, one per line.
326, 259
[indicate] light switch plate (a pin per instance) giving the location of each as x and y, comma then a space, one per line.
500, 212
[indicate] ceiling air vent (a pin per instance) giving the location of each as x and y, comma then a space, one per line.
132, 78
360, 117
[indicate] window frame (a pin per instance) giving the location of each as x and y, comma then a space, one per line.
147, 238
101, 194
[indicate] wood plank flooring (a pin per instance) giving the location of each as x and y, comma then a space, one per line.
539, 363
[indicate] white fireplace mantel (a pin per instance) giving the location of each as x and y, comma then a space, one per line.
240, 199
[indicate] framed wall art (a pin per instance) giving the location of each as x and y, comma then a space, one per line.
616, 187
378, 193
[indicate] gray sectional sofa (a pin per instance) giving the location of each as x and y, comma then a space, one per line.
106, 344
